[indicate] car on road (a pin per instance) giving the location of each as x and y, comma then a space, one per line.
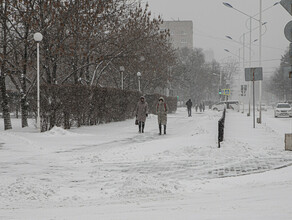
232, 104
283, 110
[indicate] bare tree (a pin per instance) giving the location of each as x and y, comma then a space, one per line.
191, 75
3, 61
84, 42
279, 85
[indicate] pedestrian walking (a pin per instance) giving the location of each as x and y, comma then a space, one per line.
203, 106
189, 106
200, 107
141, 113
161, 111
197, 107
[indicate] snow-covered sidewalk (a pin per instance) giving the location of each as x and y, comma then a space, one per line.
112, 172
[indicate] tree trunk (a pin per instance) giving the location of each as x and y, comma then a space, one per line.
66, 120
4, 104
5, 107
23, 101
23, 106
52, 118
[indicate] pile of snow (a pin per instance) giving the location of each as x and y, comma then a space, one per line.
58, 131
12, 194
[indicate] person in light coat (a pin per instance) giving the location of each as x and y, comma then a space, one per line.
141, 113
161, 111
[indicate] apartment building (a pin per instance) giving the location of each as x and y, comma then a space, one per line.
181, 33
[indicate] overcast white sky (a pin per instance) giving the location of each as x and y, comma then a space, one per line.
213, 21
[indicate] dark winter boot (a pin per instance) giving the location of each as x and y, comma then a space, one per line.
164, 129
140, 125
143, 125
159, 129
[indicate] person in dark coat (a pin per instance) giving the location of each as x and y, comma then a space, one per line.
189, 106
201, 107
141, 113
161, 111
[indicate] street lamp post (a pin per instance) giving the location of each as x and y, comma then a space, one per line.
260, 43
243, 62
38, 38
243, 55
260, 63
243, 50
243, 45
220, 82
122, 69
139, 78
250, 34
260, 54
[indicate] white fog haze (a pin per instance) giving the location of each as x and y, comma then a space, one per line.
145, 110
213, 21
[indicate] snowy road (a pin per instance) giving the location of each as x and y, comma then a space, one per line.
112, 165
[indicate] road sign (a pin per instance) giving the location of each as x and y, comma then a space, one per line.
243, 90
288, 31
253, 74
287, 4
226, 91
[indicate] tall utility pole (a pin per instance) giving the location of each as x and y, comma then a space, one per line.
287, 4
260, 63
243, 65
249, 83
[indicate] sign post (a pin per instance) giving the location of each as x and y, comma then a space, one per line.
225, 92
253, 74
253, 97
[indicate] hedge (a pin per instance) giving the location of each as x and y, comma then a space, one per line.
77, 105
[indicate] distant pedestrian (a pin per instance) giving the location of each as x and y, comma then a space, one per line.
201, 107
189, 106
161, 111
142, 113
197, 107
